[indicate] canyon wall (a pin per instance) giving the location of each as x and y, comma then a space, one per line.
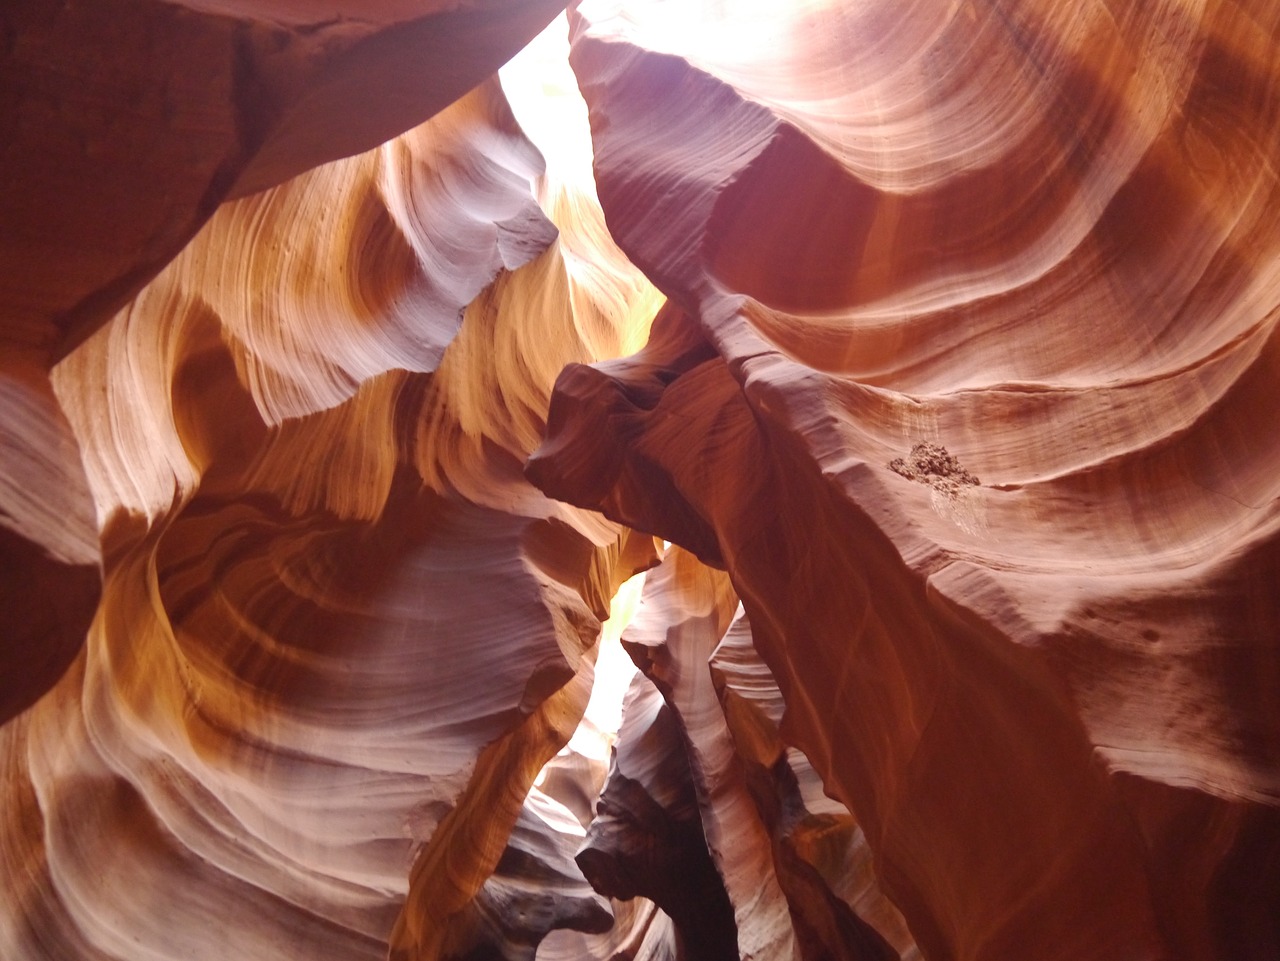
925, 356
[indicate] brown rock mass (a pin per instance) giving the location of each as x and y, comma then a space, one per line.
343, 382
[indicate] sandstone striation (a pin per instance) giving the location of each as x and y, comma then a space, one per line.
338, 633
820, 855
344, 382
647, 838
1044, 238
792, 880
124, 125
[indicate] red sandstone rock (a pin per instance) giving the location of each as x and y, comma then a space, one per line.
647, 839
685, 611
965, 389
537, 887
123, 125
820, 854
127, 123
50, 576
339, 633
1018, 687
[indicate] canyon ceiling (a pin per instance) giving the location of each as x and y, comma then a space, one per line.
924, 354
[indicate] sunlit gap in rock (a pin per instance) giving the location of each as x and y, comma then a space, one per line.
543, 92
595, 735
541, 88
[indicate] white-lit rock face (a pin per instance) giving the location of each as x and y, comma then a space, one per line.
937, 340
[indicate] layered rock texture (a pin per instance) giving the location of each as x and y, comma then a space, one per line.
341, 390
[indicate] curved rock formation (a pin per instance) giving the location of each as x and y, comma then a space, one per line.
820, 855
339, 634
1042, 238
535, 888
647, 838
690, 639
324, 454
124, 125
49, 550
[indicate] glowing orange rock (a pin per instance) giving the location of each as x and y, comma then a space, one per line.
1043, 238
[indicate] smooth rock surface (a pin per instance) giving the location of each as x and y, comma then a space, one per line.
338, 632
343, 383
1042, 237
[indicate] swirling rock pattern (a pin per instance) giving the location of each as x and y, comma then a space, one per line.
690, 638
124, 125
49, 551
1044, 238
820, 855
536, 888
647, 838
290, 708
686, 610
954, 390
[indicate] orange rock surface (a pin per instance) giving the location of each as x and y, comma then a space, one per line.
343, 382
1044, 239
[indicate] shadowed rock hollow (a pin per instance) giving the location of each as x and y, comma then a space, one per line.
938, 342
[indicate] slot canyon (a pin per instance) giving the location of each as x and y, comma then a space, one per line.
662, 480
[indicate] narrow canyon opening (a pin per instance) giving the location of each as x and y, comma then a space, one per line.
903, 375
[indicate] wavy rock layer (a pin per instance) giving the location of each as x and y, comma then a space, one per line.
959, 411
124, 125
820, 855
1043, 239
339, 634
121, 155
690, 639
647, 837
